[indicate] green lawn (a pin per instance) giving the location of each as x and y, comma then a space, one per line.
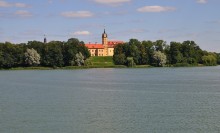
101, 61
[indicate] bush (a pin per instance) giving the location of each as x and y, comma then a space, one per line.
130, 62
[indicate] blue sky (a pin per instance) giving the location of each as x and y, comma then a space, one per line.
170, 20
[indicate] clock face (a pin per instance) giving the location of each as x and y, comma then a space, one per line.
104, 35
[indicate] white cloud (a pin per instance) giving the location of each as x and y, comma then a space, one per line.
4, 4
77, 14
81, 33
112, 2
155, 9
7, 4
202, 1
21, 5
23, 13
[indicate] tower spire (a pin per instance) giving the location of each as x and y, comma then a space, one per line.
45, 39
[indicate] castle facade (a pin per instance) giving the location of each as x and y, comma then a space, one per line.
104, 49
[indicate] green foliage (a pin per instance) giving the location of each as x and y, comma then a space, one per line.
209, 60
187, 53
130, 62
159, 45
88, 62
160, 58
53, 54
71, 48
32, 58
11, 55
62, 54
175, 54
119, 59
79, 59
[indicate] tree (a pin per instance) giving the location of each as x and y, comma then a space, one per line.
8, 55
119, 59
32, 58
175, 54
79, 59
133, 50
160, 58
218, 58
209, 60
53, 56
71, 48
159, 45
191, 52
149, 50
130, 62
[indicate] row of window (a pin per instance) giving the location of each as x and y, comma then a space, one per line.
99, 50
99, 55
95, 50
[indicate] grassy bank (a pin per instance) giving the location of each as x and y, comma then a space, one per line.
101, 61
97, 62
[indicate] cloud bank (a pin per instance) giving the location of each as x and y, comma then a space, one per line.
7, 4
81, 33
112, 2
155, 9
202, 1
77, 14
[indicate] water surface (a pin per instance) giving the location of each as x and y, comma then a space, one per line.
160, 100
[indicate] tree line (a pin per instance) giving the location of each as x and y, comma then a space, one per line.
159, 53
35, 53
74, 53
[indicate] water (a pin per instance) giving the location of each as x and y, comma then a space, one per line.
160, 100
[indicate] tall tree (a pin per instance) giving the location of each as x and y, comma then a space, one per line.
53, 54
32, 58
209, 60
175, 54
159, 45
160, 58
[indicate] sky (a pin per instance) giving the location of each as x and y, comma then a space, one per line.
170, 20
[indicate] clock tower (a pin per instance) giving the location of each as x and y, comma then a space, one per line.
104, 39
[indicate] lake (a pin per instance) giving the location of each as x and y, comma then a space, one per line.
160, 100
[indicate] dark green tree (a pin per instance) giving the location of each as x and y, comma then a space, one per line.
175, 54
119, 57
53, 56
209, 60
159, 45
149, 50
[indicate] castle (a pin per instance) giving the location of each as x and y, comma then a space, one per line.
104, 49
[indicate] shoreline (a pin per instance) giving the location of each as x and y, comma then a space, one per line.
91, 67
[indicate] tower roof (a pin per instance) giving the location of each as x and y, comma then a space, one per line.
45, 39
104, 34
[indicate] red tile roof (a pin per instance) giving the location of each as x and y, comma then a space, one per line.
112, 44
94, 46
115, 42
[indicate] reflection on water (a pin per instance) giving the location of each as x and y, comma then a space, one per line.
110, 100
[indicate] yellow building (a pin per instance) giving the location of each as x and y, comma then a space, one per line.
104, 49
